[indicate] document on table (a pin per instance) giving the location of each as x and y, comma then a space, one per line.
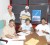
20, 38
24, 34
40, 33
16, 39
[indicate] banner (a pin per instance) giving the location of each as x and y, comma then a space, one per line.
36, 15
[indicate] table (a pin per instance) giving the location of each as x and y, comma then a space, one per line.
42, 39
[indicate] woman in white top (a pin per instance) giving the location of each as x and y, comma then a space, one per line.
9, 15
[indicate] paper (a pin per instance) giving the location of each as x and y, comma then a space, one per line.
21, 38
23, 34
25, 16
15, 39
32, 41
40, 33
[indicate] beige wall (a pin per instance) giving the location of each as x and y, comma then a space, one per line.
3, 7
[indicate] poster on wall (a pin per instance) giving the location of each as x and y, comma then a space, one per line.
36, 15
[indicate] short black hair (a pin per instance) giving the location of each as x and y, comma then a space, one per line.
27, 20
12, 21
43, 19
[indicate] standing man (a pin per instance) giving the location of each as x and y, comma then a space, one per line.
25, 14
9, 15
43, 30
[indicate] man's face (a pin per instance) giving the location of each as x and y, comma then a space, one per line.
27, 22
11, 24
26, 10
10, 9
43, 21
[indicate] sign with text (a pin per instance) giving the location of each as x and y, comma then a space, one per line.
36, 15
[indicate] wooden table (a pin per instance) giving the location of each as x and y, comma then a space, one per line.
42, 40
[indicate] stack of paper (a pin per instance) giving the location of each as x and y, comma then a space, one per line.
32, 41
23, 34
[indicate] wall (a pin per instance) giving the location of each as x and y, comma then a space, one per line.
18, 6
3, 7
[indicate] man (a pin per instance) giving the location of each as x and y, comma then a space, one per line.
26, 27
9, 15
25, 14
9, 32
43, 29
10, 35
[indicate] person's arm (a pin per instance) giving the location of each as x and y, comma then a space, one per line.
20, 29
15, 34
29, 16
32, 30
9, 36
37, 28
20, 15
6, 33
45, 32
13, 16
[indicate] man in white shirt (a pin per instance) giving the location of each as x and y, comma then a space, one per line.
25, 14
9, 15
26, 27
43, 30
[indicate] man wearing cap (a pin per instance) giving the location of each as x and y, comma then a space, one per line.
9, 15
25, 14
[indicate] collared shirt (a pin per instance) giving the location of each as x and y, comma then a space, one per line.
41, 27
7, 17
8, 30
26, 27
25, 13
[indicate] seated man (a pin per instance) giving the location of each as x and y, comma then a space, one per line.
26, 27
9, 31
43, 29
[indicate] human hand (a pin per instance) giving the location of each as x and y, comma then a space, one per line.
25, 31
43, 31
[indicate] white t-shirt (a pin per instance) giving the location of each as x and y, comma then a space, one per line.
41, 27
7, 17
25, 13
26, 27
